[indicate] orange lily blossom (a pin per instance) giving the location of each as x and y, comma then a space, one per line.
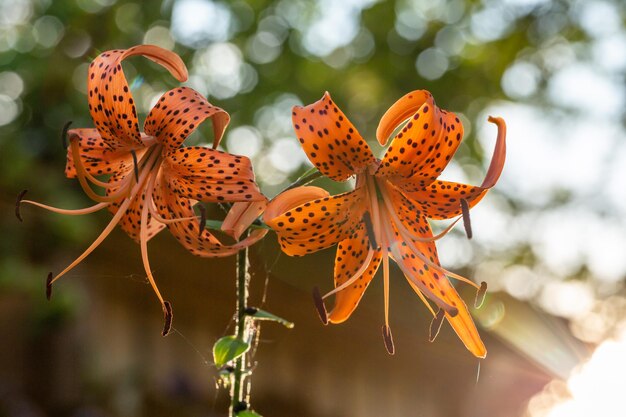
153, 181
386, 214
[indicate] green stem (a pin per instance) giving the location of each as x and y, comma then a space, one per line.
243, 281
306, 178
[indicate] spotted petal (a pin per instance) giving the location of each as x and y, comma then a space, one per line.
96, 155
330, 140
424, 146
306, 227
351, 255
425, 279
441, 199
178, 113
111, 104
210, 175
170, 205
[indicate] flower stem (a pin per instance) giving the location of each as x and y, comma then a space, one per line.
239, 374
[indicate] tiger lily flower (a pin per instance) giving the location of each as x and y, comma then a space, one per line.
386, 215
153, 181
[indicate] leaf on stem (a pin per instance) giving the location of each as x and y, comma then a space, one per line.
258, 314
227, 349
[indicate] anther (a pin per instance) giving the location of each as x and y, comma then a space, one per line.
167, 311
435, 325
388, 339
369, 227
319, 305
480, 295
18, 203
49, 286
135, 165
466, 218
202, 219
66, 127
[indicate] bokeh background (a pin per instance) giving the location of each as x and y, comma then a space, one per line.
550, 239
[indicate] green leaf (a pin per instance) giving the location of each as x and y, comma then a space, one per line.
259, 314
248, 413
227, 349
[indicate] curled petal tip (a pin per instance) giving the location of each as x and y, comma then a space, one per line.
320, 306
18, 204
49, 286
388, 339
167, 311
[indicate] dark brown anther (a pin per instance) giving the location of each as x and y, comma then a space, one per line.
319, 305
66, 127
369, 227
49, 286
435, 325
388, 339
466, 218
167, 310
135, 164
18, 203
202, 219
480, 295
250, 311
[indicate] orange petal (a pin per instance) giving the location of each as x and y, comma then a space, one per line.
110, 102
315, 224
170, 205
97, 156
179, 112
441, 199
399, 112
440, 287
425, 145
351, 253
292, 198
210, 175
240, 216
330, 141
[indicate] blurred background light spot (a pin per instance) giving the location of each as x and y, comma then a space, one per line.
244, 140
48, 31
286, 155
127, 18
490, 23
197, 23
94, 6
595, 388
521, 80
15, 12
8, 109
450, 40
11, 84
578, 86
432, 63
455, 251
159, 35
222, 67
599, 18
263, 47
567, 299
521, 282
76, 44
609, 52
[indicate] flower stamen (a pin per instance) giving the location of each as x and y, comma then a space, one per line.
467, 224
318, 301
435, 325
